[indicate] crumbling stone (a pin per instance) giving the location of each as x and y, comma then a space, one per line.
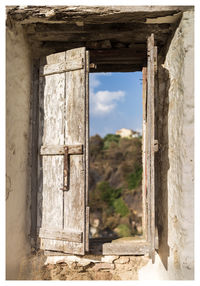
122, 260
103, 276
109, 259
102, 266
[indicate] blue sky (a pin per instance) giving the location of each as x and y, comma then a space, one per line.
115, 102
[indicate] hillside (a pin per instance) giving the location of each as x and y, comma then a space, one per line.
115, 191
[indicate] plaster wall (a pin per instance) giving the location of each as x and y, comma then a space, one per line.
18, 72
175, 193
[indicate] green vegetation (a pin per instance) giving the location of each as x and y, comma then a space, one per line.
108, 194
123, 230
109, 138
135, 179
120, 207
115, 184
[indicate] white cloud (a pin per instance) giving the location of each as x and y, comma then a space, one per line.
94, 79
105, 101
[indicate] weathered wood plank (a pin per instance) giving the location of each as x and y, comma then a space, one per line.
118, 67
151, 137
61, 67
87, 134
34, 146
55, 29
126, 54
144, 154
67, 234
137, 60
50, 150
153, 149
74, 198
127, 36
62, 246
51, 132
128, 248
92, 14
87, 226
148, 144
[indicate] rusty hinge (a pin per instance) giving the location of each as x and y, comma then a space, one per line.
155, 147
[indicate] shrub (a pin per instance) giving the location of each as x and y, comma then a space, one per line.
123, 230
107, 193
134, 179
110, 138
120, 207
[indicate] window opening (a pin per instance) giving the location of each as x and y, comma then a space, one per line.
115, 173
72, 236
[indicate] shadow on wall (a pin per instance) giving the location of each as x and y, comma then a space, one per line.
34, 147
162, 164
37, 177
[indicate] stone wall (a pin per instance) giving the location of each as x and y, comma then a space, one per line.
175, 161
18, 73
89, 267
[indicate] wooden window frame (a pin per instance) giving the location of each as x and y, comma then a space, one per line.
147, 243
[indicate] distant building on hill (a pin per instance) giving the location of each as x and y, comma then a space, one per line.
127, 133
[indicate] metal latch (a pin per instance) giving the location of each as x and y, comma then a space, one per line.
55, 150
65, 170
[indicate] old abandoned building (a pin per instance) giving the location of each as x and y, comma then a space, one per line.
49, 53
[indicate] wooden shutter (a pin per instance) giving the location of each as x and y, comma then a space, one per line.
151, 143
63, 215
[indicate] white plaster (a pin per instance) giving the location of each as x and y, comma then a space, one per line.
153, 271
17, 135
179, 63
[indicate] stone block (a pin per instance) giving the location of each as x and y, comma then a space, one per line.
109, 258
103, 266
122, 260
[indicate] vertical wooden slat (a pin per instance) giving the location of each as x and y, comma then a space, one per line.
75, 131
87, 225
144, 154
156, 154
87, 131
153, 230
151, 138
34, 146
51, 132
148, 141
